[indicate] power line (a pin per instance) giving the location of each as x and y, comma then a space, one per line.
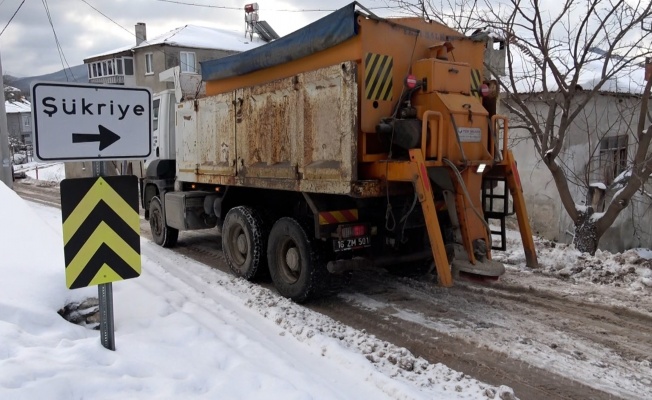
12, 17
240, 8
62, 56
107, 17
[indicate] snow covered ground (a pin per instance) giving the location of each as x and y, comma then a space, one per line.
44, 172
184, 330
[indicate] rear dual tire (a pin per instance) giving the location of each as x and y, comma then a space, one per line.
295, 262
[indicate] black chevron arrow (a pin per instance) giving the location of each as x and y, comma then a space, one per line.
103, 255
106, 137
101, 213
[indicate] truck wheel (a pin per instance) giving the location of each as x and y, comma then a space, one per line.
243, 242
294, 261
162, 234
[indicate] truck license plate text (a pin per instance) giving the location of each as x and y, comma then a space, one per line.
351, 244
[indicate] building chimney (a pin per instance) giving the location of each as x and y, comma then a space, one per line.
141, 33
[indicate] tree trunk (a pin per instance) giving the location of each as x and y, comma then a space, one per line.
586, 234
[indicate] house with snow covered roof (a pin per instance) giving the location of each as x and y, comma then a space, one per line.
176, 54
597, 152
184, 47
19, 118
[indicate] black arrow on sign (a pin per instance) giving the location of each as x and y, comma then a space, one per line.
105, 137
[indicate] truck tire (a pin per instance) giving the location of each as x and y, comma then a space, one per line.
294, 262
162, 234
243, 242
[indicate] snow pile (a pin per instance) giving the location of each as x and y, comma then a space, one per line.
193, 36
18, 106
631, 269
330, 336
202, 37
47, 174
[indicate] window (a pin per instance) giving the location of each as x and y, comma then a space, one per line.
187, 61
613, 156
149, 69
155, 108
129, 66
117, 66
27, 122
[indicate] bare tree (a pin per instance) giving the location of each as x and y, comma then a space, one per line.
567, 53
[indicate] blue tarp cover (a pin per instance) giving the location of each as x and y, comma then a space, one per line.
322, 34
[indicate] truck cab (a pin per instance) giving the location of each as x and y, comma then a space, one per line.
159, 175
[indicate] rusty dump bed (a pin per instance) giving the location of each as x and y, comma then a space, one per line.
297, 133
303, 116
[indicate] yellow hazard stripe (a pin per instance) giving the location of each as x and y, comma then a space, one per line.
338, 217
475, 82
378, 76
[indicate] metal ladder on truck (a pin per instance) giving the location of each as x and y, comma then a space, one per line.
504, 170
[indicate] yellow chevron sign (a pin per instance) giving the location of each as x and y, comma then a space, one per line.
101, 230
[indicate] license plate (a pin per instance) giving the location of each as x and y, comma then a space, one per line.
351, 244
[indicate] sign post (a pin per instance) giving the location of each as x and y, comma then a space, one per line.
6, 175
101, 224
105, 293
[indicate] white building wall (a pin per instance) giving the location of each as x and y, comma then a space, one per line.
605, 115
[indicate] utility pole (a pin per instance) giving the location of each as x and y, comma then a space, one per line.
5, 163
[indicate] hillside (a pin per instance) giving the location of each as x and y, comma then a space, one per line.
78, 73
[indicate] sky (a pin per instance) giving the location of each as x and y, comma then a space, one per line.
28, 45
85, 28
184, 330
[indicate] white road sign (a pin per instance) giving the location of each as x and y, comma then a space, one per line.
76, 122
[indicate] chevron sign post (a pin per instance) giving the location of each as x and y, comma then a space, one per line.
101, 230
101, 236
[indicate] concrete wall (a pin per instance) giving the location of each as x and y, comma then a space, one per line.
605, 115
165, 57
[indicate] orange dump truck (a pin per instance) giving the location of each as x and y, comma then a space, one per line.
354, 141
